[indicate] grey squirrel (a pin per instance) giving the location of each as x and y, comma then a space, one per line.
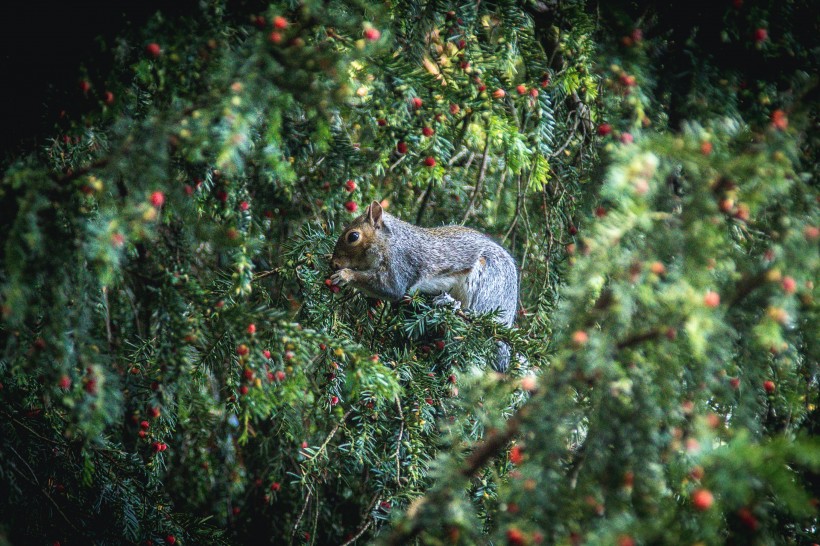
385, 257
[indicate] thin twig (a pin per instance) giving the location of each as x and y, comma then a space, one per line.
518, 203
274, 271
299, 519
330, 436
480, 182
361, 531
366, 525
107, 318
398, 441
36, 483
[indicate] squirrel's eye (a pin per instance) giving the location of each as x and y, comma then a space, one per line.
352, 237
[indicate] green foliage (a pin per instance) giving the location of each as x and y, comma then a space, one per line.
174, 363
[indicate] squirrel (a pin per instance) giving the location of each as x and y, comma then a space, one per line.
384, 257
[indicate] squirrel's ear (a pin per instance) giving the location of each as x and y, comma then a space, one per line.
374, 214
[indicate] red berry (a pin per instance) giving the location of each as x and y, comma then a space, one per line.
171, 539
372, 34
275, 486
242, 350
515, 537
334, 400
350, 185
461, 44
85, 87
430, 161
108, 98
65, 382
745, 515
266, 354
401, 147
769, 386
579, 337
811, 232
153, 50
243, 390
280, 22
637, 35
251, 328
600, 212
244, 205
417, 102
279, 375
533, 92
440, 345
157, 199
516, 457
381, 122
789, 285
706, 148
153, 412
275, 37
145, 425
522, 89
428, 131
761, 35
626, 540
499, 93
604, 129
351, 206
779, 120
702, 499
627, 138
734, 382
711, 299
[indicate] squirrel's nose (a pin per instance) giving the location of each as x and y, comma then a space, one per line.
335, 265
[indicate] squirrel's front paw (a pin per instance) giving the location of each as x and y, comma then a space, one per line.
342, 277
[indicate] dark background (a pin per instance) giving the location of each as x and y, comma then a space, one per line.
43, 46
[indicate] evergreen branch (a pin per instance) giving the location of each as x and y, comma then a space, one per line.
494, 443
36, 484
637, 339
75, 174
31, 431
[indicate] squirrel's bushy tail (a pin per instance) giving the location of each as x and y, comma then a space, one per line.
503, 361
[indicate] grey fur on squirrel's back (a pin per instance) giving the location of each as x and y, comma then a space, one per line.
489, 270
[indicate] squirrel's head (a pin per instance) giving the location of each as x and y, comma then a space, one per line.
356, 248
